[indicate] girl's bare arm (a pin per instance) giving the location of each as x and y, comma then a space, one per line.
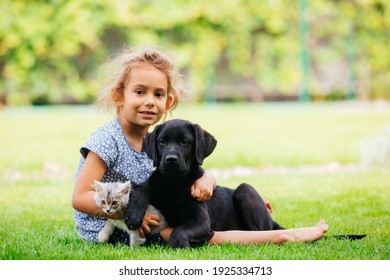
203, 188
83, 194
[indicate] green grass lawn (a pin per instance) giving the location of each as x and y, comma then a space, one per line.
40, 153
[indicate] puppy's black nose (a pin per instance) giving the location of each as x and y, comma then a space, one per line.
171, 159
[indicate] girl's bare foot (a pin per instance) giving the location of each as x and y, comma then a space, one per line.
308, 234
323, 226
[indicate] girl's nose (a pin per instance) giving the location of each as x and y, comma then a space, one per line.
149, 101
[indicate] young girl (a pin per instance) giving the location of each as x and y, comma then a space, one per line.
144, 88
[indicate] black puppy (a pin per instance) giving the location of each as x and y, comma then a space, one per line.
178, 149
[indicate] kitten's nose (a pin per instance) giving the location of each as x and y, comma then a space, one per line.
108, 211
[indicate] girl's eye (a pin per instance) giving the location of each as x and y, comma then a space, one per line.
138, 91
159, 94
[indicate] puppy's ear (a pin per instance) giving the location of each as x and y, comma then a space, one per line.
150, 145
204, 143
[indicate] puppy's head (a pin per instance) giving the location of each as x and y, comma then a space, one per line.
176, 145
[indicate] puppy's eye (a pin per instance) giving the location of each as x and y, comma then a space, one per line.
184, 142
162, 142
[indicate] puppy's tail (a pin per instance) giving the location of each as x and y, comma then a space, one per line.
276, 226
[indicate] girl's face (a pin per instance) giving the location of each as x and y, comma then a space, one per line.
145, 97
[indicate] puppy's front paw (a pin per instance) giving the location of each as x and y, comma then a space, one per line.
133, 221
179, 240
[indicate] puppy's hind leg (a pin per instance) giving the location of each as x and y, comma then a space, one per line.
251, 209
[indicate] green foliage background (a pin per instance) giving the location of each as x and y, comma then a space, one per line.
50, 50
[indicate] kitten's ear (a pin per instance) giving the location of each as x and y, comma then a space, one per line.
97, 186
125, 187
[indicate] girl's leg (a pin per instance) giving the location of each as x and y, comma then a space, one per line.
166, 233
307, 234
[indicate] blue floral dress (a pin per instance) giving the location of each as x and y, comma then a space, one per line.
123, 164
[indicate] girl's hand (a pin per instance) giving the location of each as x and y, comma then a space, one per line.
203, 188
149, 220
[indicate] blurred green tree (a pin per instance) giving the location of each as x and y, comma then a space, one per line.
50, 50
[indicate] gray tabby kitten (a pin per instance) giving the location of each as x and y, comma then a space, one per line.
113, 198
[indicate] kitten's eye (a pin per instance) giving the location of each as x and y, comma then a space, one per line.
114, 203
103, 202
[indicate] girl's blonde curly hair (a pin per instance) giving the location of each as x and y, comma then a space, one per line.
118, 71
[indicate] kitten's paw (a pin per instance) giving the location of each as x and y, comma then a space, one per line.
137, 241
103, 237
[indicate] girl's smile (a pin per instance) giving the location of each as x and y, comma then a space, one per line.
148, 114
